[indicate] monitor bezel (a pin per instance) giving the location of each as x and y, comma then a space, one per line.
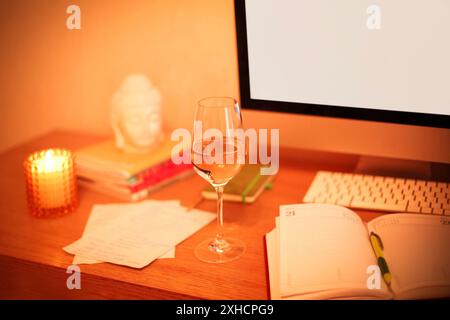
334, 111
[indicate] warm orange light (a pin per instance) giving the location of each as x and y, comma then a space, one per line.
50, 182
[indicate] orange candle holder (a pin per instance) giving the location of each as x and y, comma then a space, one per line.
51, 183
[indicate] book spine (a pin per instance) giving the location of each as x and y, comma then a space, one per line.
134, 182
158, 174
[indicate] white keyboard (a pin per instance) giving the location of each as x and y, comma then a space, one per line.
380, 193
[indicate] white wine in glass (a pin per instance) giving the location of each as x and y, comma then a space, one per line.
217, 156
219, 172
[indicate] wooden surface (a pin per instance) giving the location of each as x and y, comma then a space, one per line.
33, 264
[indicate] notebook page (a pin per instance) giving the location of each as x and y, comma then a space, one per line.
323, 247
273, 255
417, 250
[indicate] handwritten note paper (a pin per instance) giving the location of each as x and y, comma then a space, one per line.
102, 214
137, 234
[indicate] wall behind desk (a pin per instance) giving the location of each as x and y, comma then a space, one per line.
52, 77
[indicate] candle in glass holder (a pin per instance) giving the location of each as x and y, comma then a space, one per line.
50, 182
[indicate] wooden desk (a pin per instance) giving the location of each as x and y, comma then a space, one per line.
33, 264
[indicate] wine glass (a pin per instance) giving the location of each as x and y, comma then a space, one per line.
217, 156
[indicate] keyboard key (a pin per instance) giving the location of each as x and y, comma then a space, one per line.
421, 184
442, 184
413, 209
343, 202
425, 210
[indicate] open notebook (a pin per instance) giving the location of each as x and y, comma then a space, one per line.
324, 251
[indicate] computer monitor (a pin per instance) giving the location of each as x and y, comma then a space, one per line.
349, 76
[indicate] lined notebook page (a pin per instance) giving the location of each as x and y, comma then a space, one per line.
323, 247
417, 250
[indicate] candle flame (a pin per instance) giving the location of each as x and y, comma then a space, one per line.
49, 162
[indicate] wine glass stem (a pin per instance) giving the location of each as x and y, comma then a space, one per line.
219, 235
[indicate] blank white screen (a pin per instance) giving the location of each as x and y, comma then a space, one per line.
322, 52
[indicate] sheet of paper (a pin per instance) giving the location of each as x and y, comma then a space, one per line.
103, 214
148, 231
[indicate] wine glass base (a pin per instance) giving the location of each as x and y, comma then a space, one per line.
228, 249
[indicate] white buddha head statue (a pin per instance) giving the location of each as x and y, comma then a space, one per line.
136, 114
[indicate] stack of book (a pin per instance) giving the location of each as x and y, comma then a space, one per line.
104, 168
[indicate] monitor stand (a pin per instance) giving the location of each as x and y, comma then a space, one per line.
403, 168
